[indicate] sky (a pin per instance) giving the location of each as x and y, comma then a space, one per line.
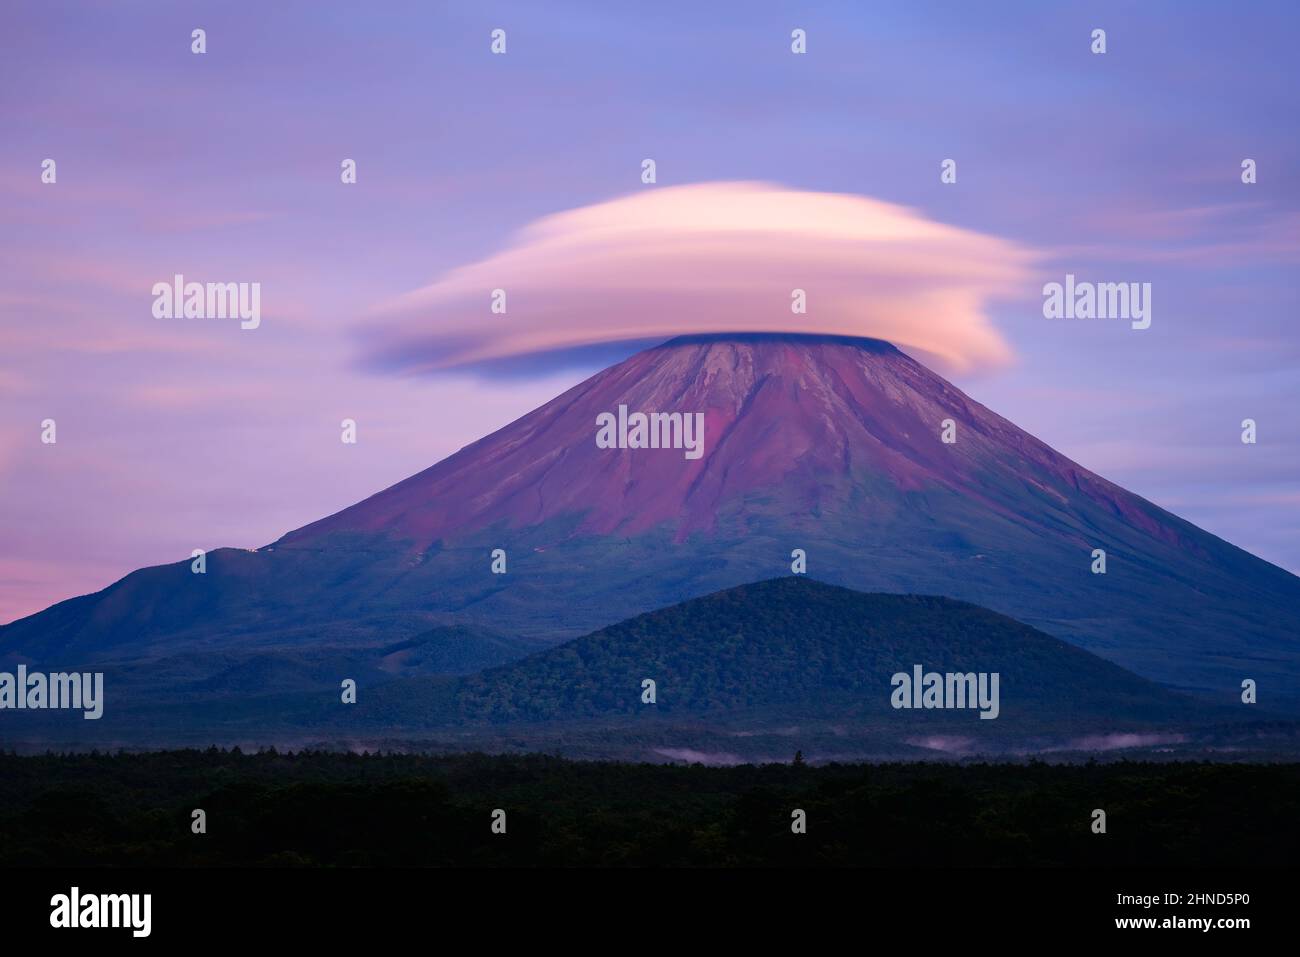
225, 166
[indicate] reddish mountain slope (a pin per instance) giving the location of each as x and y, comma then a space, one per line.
814, 418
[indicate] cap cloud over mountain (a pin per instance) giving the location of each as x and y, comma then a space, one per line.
737, 252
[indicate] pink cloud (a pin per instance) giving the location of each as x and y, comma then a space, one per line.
713, 257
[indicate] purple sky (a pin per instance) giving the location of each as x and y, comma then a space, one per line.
225, 167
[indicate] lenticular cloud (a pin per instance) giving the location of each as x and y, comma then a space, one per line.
712, 258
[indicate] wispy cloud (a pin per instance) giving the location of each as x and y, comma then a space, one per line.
712, 257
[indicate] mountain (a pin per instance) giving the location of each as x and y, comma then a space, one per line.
829, 445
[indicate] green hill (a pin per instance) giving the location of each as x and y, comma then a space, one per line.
793, 648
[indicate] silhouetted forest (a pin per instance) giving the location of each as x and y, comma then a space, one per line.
320, 808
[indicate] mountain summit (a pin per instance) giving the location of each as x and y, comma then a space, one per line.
850, 426
828, 445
